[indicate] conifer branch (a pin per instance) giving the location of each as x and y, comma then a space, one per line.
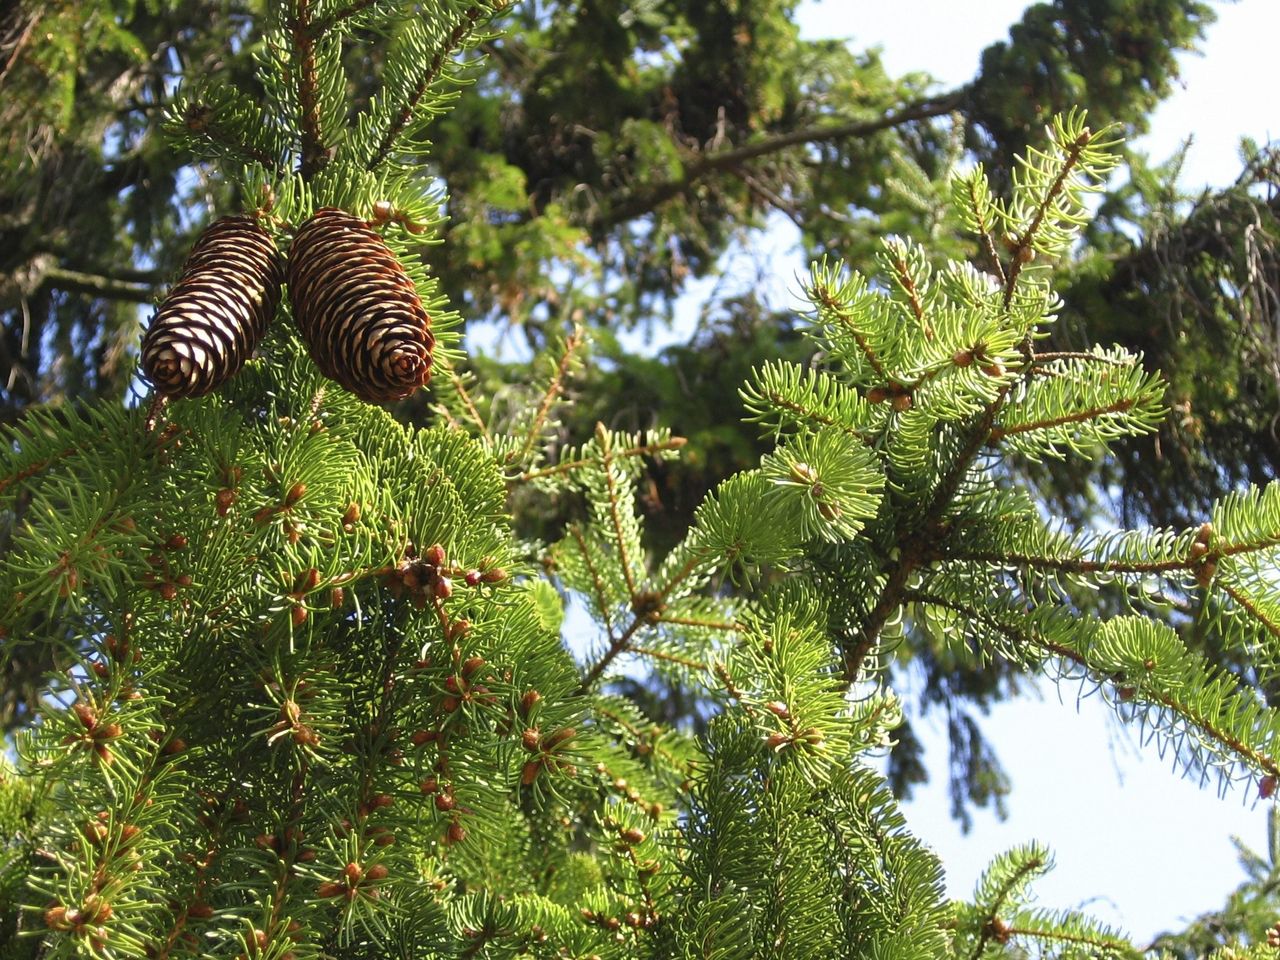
654, 195
602, 598
902, 274
786, 403
1024, 242
468, 404
33, 468
615, 516
992, 924
308, 85
553, 392
1120, 406
617, 646
1110, 944
200, 121
640, 736
648, 609
696, 622
986, 230
1051, 356
470, 17
1188, 712
830, 302
325, 24
1247, 604
643, 450
913, 545
669, 657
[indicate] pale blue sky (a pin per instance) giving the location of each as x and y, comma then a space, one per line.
1135, 845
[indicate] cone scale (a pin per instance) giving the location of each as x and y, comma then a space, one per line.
357, 309
215, 315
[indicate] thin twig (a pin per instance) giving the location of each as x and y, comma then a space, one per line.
644, 450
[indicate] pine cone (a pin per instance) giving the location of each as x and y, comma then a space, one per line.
213, 318
357, 309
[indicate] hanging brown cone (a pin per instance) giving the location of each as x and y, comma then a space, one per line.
213, 318
357, 309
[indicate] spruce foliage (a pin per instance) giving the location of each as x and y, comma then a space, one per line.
314, 698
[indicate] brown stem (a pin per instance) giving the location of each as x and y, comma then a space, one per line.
314, 155
654, 195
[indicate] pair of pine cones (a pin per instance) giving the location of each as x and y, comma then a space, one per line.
355, 307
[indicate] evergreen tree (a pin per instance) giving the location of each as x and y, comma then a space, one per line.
701, 121
312, 695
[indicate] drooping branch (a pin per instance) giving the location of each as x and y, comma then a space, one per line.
654, 195
97, 285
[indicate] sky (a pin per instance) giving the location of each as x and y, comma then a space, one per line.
1136, 845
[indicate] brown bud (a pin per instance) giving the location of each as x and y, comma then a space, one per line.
529, 772
1205, 572
455, 833
298, 614
55, 918
419, 737
176, 542
445, 802
471, 577
377, 872
435, 555
994, 369
962, 358
1025, 253
443, 588
176, 745
223, 501
381, 800
471, 665
776, 740
167, 591
306, 581
385, 839
449, 704
531, 739
429, 785
1267, 786
877, 395
560, 736
199, 911
85, 714
529, 701
902, 402
294, 494
337, 597
496, 575
353, 873
107, 731
632, 836
778, 709
330, 889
